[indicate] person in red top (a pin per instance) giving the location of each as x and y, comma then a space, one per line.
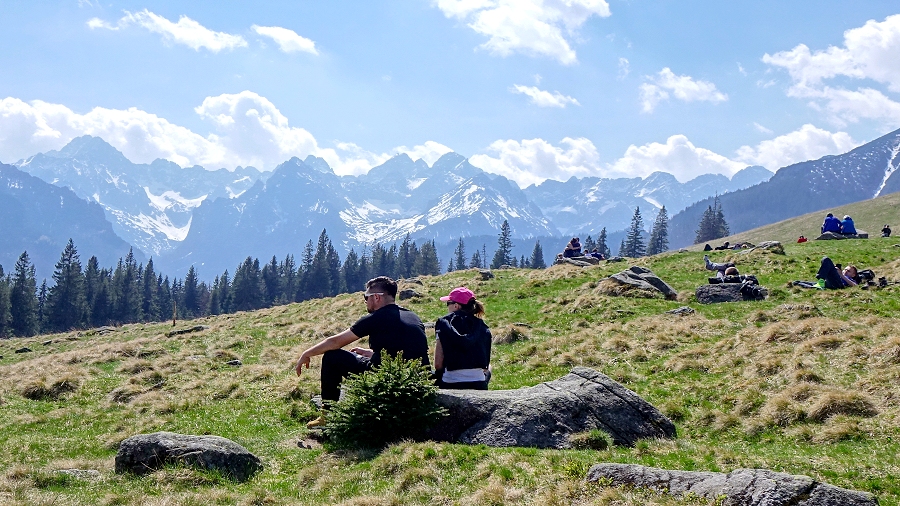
801, 239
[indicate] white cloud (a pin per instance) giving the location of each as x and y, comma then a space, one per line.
186, 31
532, 161
741, 69
869, 52
762, 129
288, 40
249, 130
806, 143
533, 27
684, 88
543, 98
678, 156
430, 151
624, 68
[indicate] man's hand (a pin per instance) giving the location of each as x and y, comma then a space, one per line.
303, 360
365, 352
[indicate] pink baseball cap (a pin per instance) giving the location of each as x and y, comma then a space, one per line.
460, 295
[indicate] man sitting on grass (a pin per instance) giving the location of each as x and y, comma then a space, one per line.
391, 329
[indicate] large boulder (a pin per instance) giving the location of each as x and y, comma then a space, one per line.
741, 487
146, 453
728, 292
644, 279
548, 414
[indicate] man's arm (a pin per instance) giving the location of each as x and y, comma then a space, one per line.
334, 342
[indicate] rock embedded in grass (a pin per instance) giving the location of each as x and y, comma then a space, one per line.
739, 487
546, 415
146, 453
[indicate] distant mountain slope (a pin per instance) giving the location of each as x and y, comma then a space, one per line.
150, 206
865, 172
40, 218
589, 204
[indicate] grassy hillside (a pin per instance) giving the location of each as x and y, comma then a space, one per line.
804, 383
868, 215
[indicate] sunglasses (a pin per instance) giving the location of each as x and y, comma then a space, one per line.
451, 302
367, 295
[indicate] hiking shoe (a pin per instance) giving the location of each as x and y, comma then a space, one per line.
317, 423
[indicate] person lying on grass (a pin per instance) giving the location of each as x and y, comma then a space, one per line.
391, 329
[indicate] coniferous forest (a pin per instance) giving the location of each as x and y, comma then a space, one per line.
87, 295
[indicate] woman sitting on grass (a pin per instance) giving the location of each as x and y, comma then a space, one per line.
462, 353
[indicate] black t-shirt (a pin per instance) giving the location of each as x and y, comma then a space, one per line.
393, 329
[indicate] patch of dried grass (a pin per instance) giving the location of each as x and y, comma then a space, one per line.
613, 288
51, 388
510, 334
841, 402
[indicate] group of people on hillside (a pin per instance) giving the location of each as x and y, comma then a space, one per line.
573, 250
462, 351
834, 225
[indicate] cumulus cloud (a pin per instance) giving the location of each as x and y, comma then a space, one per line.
624, 68
288, 40
684, 88
532, 161
186, 31
430, 151
761, 129
869, 52
678, 156
535, 27
543, 98
248, 130
806, 143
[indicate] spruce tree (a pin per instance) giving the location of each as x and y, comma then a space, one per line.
289, 281
537, 257
42, 306
190, 299
23, 299
621, 251
405, 258
350, 271
246, 289
4, 305
271, 279
459, 255
602, 247
66, 301
712, 224
588, 245
428, 264
634, 242
306, 282
149, 294
333, 261
476, 260
503, 255
659, 235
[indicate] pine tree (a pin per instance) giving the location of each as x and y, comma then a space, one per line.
351, 272
150, 295
712, 224
380, 262
66, 301
42, 306
306, 282
4, 305
319, 271
190, 299
621, 251
459, 255
333, 262
659, 235
23, 299
428, 264
503, 255
602, 247
588, 245
537, 257
405, 258
126, 290
289, 280
246, 289
522, 263
634, 242
271, 280
476, 260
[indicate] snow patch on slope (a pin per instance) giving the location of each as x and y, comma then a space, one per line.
169, 198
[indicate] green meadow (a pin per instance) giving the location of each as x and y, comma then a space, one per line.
804, 382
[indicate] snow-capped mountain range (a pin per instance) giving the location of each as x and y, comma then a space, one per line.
216, 218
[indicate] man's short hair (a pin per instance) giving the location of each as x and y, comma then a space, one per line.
382, 284
731, 271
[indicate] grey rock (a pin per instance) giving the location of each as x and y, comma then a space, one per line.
408, 294
24, 349
145, 453
415, 281
828, 236
682, 311
195, 328
486, 274
235, 362
615, 259
773, 246
725, 292
577, 261
47, 342
546, 415
741, 487
646, 280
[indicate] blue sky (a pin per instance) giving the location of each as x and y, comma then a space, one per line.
531, 89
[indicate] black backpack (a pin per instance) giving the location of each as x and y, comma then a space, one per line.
465, 341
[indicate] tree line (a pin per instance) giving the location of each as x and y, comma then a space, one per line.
92, 296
